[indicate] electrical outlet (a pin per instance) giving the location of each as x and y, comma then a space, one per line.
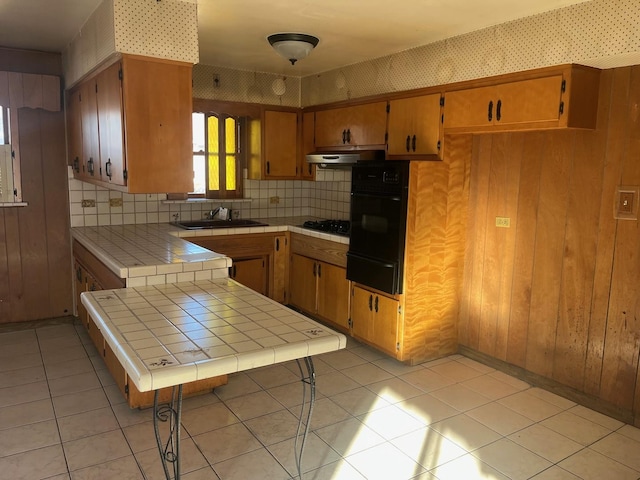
626, 202
115, 202
88, 203
274, 200
504, 222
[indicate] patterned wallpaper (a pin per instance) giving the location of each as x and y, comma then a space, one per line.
601, 33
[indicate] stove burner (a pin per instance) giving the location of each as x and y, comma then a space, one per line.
339, 227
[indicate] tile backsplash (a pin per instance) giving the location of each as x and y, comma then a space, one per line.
327, 197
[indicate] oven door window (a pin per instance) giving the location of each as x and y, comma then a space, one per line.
376, 226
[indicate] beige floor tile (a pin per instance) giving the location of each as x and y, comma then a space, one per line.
325, 412
466, 432
367, 353
630, 432
340, 470
490, 387
49, 345
530, 406
207, 418
62, 476
395, 367
20, 336
34, 464
238, 384
125, 468
366, 374
428, 448
467, 467
511, 459
596, 417
13, 378
80, 402
71, 367
205, 473
226, 442
114, 395
359, 401
290, 395
26, 413
142, 436
349, 437
514, 382
191, 459
391, 422
273, 428
621, 448
256, 464
427, 408
588, 464
273, 376
427, 380
546, 443
28, 348
482, 368
64, 355
87, 424
577, 428
101, 448
198, 401
555, 473
460, 397
105, 377
316, 454
20, 361
552, 398
127, 416
456, 371
24, 393
335, 382
499, 418
53, 331
394, 390
253, 405
383, 462
342, 359
28, 437
74, 384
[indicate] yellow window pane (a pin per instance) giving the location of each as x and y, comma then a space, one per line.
231, 172
230, 134
214, 172
212, 131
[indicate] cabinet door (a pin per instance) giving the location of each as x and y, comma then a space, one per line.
368, 124
302, 283
80, 286
279, 276
307, 170
251, 272
331, 127
280, 144
361, 313
384, 332
333, 294
74, 131
109, 101
474, 107
414, 125
529, 101
90, 164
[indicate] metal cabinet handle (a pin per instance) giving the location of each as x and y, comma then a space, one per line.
76, 164
490, 112
348, 135
107, 169
314, 268
319, 270
277, 244
344, 136
413, 143
408, 142
90, 165
268, 168
376, 304
498, 110
370, 302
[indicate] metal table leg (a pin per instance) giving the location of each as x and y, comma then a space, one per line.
169, 450
308, 378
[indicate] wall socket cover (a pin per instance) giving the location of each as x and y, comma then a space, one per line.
625, 204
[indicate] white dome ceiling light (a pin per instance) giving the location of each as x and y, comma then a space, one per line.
293, 46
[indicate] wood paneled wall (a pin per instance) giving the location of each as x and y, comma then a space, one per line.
35, 251
558, 293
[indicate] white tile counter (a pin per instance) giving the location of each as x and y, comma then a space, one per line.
166, 335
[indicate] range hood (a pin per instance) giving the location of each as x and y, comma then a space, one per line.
343, 159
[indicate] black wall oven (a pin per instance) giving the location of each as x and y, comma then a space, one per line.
379, 193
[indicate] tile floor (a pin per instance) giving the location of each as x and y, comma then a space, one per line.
61, 417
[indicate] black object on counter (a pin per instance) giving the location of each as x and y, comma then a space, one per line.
338, 227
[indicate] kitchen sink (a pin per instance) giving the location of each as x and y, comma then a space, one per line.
202, 224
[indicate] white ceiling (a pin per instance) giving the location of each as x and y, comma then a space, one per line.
233, 32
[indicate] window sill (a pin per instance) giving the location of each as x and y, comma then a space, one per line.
216, 201
13, 204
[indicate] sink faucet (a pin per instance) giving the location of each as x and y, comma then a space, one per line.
212, 213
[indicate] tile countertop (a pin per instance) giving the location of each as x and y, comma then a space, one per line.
166, 335
151, 249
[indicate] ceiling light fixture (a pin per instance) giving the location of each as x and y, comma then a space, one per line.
293, 46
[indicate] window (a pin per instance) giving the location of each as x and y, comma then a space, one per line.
6, 161
217, 155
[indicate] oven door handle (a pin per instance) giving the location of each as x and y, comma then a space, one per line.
395, 198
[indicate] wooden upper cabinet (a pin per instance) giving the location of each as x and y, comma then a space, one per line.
359, 125
415, 127
280, 148
136, 126
74, 131
307, 170
559, 97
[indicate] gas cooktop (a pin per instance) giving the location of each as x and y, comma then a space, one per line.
337, 227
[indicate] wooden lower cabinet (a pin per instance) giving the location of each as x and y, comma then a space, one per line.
251, 272
376, 319
320, 289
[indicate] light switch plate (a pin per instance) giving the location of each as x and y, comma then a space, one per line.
625, 205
